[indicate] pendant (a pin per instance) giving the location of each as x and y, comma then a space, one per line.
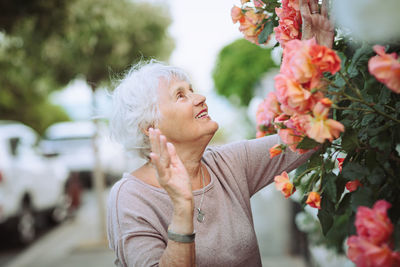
200, 216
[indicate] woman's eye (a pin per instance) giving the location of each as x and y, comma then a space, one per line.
180, 95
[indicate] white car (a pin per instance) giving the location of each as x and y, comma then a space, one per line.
73, 142
31, 183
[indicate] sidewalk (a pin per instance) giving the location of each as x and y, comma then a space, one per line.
78, 242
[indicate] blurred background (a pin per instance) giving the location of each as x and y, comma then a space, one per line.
58, 63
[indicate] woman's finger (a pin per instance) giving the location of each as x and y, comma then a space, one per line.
314, 6
155, 160
164, 155
154, 141
175, 160
324, 8
304, 8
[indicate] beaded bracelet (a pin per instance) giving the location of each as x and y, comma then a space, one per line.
180, 237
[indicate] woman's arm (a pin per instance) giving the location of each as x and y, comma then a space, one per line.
261, 169
173, 177
177, 253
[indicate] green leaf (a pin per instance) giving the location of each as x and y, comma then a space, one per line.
370, 160
360, 57
353, 171
340, 186
344, 204
338, 232
315, 160
350, 140
368, 118
381, 141
396, 236
266, 32
307, 143
325, 214
377, 176
362, 197
329, 186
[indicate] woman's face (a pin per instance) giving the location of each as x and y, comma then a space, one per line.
184, 114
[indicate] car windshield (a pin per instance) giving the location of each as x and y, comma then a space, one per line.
63, 145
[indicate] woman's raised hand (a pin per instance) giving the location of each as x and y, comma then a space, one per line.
171, 173
316, 23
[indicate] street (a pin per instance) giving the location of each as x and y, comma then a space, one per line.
77, 242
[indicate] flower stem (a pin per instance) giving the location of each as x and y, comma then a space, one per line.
361, 100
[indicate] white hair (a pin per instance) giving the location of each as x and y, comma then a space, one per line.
135, 106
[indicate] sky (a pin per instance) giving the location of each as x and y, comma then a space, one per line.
200, 30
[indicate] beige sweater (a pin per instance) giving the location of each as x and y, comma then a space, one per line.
139, 214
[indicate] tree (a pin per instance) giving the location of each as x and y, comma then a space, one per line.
240, 65
46, 44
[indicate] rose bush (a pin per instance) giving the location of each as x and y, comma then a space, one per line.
344, 103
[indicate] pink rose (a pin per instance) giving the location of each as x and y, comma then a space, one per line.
289, 22
374, 224
364, 253
385, 68
297, 62
291, 4
292, 95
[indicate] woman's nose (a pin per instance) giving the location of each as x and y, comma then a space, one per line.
198, 99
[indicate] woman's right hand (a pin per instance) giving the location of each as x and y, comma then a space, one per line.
171, 173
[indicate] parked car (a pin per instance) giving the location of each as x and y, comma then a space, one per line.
73, 142
31, 184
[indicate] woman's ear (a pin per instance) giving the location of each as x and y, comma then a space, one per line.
146, 130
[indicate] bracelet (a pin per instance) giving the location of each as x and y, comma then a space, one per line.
181, 238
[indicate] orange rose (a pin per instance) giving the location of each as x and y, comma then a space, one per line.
319, 127
250, 25
385, 68
290, 138
321, 130
236, 14
283, 184
258, 3
275, 150
353, 185
297, 62
292, 95
314, 200
325, 58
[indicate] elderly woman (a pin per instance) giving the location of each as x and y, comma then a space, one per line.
189, 204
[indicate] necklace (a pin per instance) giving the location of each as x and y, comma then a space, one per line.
200, 215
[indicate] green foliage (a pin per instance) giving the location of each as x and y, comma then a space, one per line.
46, 44
371, 115
240, 65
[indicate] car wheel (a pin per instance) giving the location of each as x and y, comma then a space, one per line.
61, 212
26, 229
